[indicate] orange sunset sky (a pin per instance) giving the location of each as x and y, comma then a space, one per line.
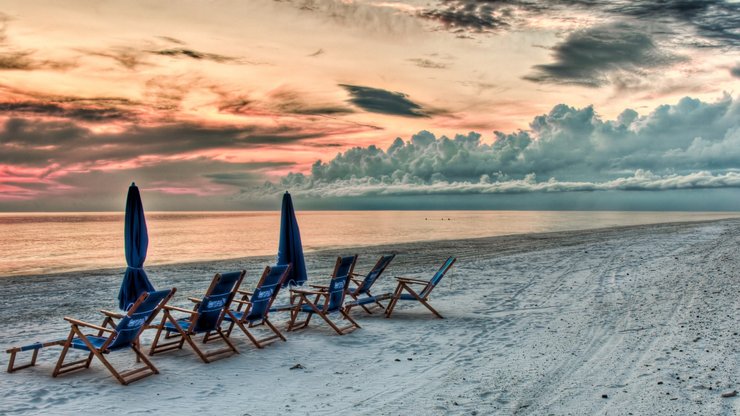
225, 104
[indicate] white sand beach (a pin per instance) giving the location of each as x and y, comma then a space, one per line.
631, 320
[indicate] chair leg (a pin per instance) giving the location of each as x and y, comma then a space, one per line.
346, 316
140, 355
231, 328
13, 352
425, 303
187, 338
108, 365
292, 325
393, 302
274, 329
248, 333
297, 310
157, 348
160, 328
227, 340
63, 355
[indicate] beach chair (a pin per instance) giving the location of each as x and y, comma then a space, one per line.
405, 284
112, 336
325, 300
253, 308
204, 318
360, 294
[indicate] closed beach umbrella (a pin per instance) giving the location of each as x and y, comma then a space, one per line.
290, 249
136, 240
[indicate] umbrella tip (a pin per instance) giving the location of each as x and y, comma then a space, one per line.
286, 192
133, 183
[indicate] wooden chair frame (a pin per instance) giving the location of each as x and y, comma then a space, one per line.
244, 302
405, 284
304, 298
181, 336
355, 294
108, 327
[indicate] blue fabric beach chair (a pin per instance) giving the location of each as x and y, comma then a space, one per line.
422, 296
253, 308
113, 336
204, 318
360, 294
325, 300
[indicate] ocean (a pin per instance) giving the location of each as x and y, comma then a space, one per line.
44, 243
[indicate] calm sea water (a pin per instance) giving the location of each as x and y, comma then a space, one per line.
39, 243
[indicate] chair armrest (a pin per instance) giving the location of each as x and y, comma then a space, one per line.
409, 280
243, 302
195, 300
358, 282
175, 308
320, 286
308, 292
111, 314
85, 324
244, 292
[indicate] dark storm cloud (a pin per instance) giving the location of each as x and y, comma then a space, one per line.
39, 143
715, 21
89, 114
477, 16
589, 57
735, 71
238, 179
376, 100
193, 54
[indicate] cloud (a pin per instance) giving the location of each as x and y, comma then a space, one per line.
378, 19
688, 145
714, 20
596, 56
735, 71
44, 158
639, 181
97, 113
193, 54
428, 63
42, 143
710, 23
14, 59
281, 101
376, 100
469, 15
318, 52
25, 61
170, 39
127, 57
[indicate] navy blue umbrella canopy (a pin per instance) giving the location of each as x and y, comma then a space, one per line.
136, 240
291, 249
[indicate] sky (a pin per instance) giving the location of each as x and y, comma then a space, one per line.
370, 104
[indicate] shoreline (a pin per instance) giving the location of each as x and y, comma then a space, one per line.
377, 248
